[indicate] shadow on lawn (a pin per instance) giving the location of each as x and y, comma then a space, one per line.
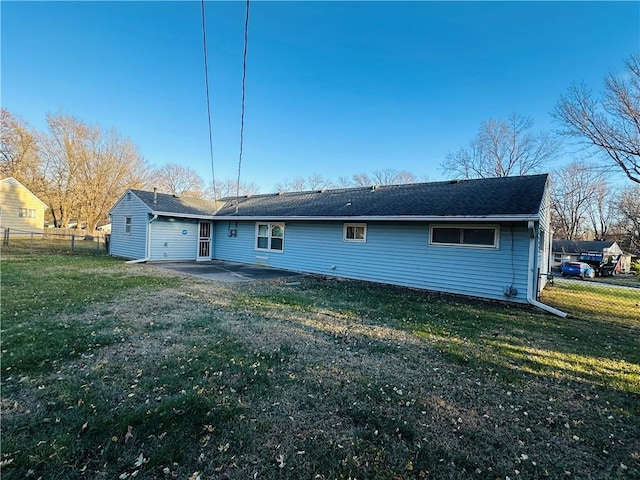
512, 338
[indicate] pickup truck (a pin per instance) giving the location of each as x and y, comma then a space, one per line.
603, 265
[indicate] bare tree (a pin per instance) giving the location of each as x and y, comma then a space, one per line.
229, 188
19, 151
179, 180
502, 148
298, 184
629, 209
343, 182
301, 184
318, 182
572, 196
602, 211
610, 125
362, 180
391, 176
87, 168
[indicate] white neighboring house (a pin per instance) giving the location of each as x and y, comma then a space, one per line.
20, 210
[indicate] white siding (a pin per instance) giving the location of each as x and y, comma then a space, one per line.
174, 239
395, 253
134, 244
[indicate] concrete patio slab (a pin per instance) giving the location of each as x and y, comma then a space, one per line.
222, 271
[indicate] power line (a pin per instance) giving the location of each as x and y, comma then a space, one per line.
244, 77
206, 79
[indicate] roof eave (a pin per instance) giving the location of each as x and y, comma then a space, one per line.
204, 216
384, 218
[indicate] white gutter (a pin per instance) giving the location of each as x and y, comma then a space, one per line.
381, 218
140, 260
532, 273
148, 256
181, 215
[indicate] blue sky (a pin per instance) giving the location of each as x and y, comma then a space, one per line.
334, 88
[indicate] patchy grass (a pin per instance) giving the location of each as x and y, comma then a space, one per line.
626, 280
595, 300
128, 371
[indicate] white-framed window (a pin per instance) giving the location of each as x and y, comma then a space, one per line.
23, 212
355, 232
32, 213
483, 236
270, 236
127, 225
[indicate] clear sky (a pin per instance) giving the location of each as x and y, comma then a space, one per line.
334, 88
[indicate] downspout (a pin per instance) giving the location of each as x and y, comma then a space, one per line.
148, 255
531, 286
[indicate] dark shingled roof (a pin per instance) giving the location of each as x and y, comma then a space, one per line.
505, 196
576, 247
178, 205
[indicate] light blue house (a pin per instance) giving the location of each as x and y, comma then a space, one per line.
149, 226
486, 238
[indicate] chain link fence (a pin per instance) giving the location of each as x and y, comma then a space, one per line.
614, 298
54, 241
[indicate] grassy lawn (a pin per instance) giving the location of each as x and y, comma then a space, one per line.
114, 371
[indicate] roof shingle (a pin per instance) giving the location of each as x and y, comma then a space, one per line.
179, 205
465, 198
504, 196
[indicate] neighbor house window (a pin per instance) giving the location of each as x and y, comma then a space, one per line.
270, 236
471, 236
32, 213
127, 225
23, 213
355, 232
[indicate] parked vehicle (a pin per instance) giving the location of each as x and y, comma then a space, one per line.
604, 265
577, 269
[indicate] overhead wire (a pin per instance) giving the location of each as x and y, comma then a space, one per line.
206, 80
244, 78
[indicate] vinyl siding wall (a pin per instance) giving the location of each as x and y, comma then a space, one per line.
133, 245
394, 253
168, 241
13, 197
544, 240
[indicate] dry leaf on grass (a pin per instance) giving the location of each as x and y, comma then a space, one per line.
139, 461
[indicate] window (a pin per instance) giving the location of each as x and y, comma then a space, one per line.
22, 213
542, 241
32, 213
355, 232
471, 236
270, 236
127, 225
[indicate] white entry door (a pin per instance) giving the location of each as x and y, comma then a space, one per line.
204, 241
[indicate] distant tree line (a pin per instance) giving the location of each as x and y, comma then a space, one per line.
80, 170
389, 176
